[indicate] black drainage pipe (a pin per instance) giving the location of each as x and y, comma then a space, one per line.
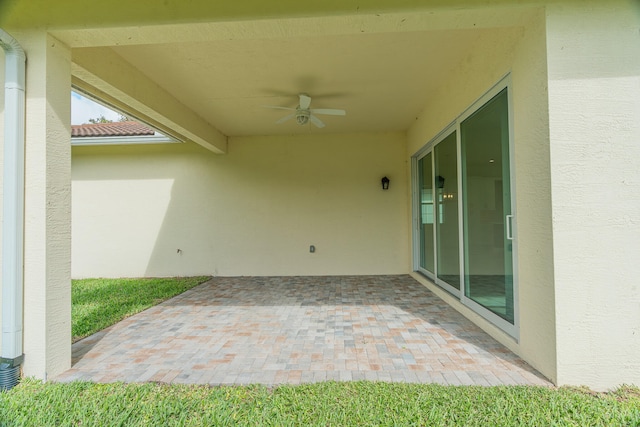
10, 372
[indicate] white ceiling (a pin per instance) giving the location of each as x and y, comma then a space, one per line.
227, 72
381, 80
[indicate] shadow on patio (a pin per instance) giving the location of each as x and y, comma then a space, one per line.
274, 330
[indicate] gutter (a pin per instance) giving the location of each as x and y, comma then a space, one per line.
78, 141
11, 355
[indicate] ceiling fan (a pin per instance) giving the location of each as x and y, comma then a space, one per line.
304, 114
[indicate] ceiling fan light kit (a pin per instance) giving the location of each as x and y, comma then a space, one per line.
304, 114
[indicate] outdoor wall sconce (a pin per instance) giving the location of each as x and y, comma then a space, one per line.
385, 183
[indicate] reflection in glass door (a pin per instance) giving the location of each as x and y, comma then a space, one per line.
486, 190
447, 234
426, 214
439, 245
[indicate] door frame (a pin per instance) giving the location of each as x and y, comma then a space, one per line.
417, 220
512, 330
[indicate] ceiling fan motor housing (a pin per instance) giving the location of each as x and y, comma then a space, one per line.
302, 116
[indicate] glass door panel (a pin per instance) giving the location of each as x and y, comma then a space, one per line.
447, 235
486, 188
426, 213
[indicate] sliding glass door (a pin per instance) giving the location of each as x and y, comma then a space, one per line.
446, 178
465, 223
426, 215
439, 251
488, 228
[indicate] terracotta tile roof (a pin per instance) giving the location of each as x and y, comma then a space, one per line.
110, 129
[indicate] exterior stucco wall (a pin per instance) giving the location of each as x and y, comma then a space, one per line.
47, 269
1, 161
520, 52
178, 209
47, 228
594, 109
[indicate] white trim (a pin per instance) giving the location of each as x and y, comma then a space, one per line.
122, 140
461, 252
514, 220
415, 217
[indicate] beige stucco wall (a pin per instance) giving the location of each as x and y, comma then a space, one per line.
594, 93
520, 53
178, 209
47, 229
47, 269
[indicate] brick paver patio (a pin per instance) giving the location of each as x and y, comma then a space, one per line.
275, 330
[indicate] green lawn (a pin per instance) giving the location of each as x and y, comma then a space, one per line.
33, 403
99, 303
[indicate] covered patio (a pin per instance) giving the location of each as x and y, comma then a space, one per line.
293, 330
540, 189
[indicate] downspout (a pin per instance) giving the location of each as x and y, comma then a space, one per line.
11, 356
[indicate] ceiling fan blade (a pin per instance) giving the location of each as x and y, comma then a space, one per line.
285, 118
305, 101
329, 111
316, 121
274, 107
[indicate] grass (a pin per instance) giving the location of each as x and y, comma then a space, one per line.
99, 303
33, 403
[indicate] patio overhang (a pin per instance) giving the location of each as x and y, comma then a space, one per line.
209, 81
105, 75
